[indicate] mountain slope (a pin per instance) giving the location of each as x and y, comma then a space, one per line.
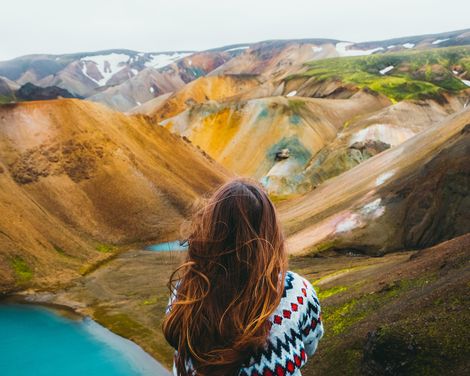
399, 76
84, 73
202, 90
412, 195
246, 136
152, 82
78, 177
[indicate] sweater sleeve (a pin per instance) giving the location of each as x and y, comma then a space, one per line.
311, 323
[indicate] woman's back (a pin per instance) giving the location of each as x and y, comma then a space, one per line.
236, 309
296, 328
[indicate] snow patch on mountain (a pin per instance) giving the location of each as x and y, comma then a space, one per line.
408, 45
437, 41
317, 49
108, 65
238, 48
348, 224
162, 60
386, 70
383, 178
342, 49
466, 82
373, 209
382, 132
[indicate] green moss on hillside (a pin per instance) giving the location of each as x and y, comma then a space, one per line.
415, 74
23, 272
105, 248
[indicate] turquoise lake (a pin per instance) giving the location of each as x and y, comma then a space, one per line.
167, 247
37, 341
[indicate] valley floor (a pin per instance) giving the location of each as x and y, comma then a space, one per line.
406, 313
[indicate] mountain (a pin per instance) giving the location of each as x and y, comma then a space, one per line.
31, 92
399, 76
123, 79
84, 73
246, 137
413, 195
333, 114
152, 82
78, 178
202, 90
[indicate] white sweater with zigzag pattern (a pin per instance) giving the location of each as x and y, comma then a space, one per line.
296, 328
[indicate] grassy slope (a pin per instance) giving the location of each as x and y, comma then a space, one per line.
416, 74
405, 314
413, 305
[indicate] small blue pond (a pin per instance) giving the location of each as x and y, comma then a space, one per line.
167, 247
38, 341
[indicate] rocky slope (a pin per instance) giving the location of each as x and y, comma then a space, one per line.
413, 195
421, 89
84, 73
78, 178
202, 90
152, 82
246, 136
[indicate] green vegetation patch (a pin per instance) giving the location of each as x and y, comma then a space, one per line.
6, 99
121, 324
323, 294
339, 318
22, 270
296, 105
415, 74
105, 248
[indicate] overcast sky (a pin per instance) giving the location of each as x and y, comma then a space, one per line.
62, 26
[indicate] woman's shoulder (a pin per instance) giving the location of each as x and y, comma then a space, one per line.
299, 290
299, 305
294, 281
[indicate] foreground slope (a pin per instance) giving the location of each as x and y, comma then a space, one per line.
412, 195
77, 177
403, 314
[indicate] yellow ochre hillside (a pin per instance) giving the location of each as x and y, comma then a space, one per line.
77, 178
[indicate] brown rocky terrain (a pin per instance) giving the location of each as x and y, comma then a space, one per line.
404, 313
411, 196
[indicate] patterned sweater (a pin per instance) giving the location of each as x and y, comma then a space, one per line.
296, 328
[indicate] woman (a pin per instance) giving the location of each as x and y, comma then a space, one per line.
235, 309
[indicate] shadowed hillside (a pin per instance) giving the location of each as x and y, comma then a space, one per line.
411, 196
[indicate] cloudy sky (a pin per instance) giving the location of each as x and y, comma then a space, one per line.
61, 26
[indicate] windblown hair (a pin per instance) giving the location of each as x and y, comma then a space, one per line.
230, 283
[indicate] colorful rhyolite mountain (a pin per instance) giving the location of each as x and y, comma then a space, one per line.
123, 79
78, 179
365, 148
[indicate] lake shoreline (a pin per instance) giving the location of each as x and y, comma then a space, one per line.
78, 312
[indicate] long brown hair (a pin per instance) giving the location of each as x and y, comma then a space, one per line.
231, 282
